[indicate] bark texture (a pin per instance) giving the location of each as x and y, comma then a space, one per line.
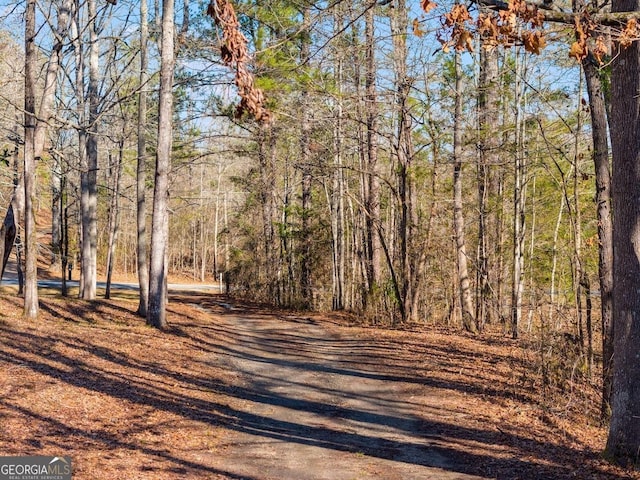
623, 443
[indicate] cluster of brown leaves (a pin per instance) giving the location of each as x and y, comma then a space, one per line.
457, 25
235, 54
630, 33
520, 23
587, 42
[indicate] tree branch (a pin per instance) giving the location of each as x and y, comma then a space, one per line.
609, 19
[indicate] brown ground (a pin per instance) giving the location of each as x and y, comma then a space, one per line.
236, 391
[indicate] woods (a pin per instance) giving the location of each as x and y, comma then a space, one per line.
408, 163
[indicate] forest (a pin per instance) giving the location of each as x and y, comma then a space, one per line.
441, 166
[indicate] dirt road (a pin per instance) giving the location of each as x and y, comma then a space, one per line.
315, 405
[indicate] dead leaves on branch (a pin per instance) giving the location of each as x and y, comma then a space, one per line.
629, 34
234, 53
589, 41
534, 41
417, 28
458, 21
518, 23
579, 49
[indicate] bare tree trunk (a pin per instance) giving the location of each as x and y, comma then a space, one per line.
488, 158
17, 206
337, 199
404, 151
623, 443
576, 220
141, 176
64, 238
88, 175
203, 233
194, 248
285, 249
184, 28
464, 286
554, 250
64, 13
114, 214
48, 95
603, 201
266, 157
56, 193
227, 247
31, 245
156, 315
532, 260
359, 290
373, 188
517, 286
305, 159
82, 120
216, 226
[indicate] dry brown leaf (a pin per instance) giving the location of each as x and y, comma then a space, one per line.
428, 5
488, 27
600, 49
465, 41
534, 42
629, 34
578, 50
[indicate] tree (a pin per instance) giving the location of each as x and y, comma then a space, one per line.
115, 173
623, 443
519, 193
372, 180
305, 165
156, 314
31, 241
60, 35
404, 152
464, 283
597, 108
89, 166
141, 177
488, 159
338, 187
